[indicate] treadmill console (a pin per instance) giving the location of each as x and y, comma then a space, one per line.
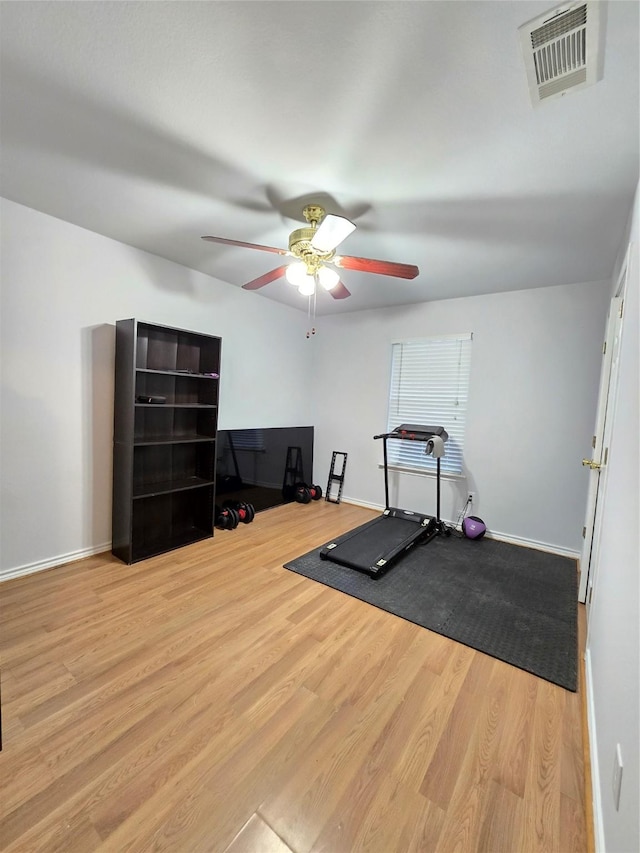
415, 432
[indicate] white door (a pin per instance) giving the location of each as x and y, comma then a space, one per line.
597, 465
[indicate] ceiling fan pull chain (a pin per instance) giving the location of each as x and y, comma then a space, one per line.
311, 316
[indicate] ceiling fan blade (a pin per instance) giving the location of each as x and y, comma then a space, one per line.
331, 232
339, 291
267, 278
229, 242
379, 267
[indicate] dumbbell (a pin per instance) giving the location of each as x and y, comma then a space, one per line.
246, 511
227, 518
304, 493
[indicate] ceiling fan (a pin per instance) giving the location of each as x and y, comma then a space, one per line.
315, 249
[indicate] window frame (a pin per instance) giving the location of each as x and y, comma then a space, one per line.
409, 457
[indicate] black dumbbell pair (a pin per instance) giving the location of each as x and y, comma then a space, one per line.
303, 493
234, 512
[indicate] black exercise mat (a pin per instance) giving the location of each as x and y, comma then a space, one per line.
516, 604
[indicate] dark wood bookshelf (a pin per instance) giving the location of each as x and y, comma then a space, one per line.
164, 453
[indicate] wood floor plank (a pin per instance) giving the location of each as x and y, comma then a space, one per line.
573, 834
24, 773
405, 652
470, 798
445, 766
411, 759
156, 761
338, 677
374, 813
68, 836
541, 813
26, 687
500, 821
51, 799
514, 746
257, 835
572, 769
243, 792
207, 799
210, 700
316, 597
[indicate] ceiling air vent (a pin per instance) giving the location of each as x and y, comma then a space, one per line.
563, 49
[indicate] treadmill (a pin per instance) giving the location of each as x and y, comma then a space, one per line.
376, 546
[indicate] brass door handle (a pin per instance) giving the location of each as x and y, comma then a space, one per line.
589, 463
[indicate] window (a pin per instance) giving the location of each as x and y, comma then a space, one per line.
429, 386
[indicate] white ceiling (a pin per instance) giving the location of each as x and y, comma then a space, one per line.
155, 123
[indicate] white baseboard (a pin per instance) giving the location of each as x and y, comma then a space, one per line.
596, 795
501, 537
41, 565
532, 543
366, 505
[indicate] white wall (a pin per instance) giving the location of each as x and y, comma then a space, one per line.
613, 654
63, 288
534, 381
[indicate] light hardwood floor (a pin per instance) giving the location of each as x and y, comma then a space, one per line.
211, 700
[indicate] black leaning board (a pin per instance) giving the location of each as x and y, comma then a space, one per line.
382, 539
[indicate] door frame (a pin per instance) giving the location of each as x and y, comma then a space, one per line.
600, 441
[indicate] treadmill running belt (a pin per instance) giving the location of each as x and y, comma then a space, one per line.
373, 546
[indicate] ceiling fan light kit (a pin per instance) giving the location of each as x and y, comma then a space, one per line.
314, 247
328, 277
296, 273
308, 286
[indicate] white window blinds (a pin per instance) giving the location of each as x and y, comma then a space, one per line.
429, 386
